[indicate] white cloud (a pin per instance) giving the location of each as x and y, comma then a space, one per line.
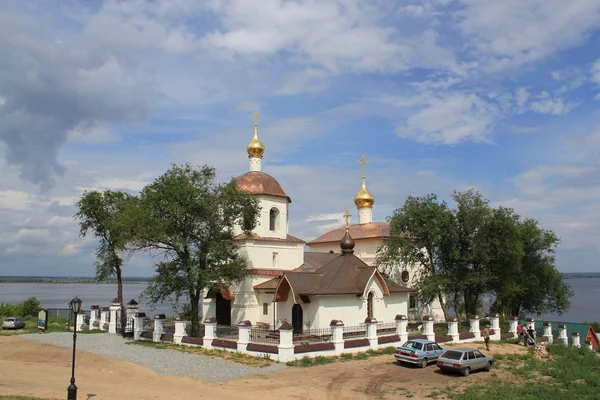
545, 103
595, 71
450, 119
325, 217
507, 34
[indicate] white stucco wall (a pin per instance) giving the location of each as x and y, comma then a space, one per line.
260, 253
262, 223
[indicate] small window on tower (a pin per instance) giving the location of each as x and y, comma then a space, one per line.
275, 259
273, 219
265, 308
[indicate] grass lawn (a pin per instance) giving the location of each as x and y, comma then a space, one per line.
569, 373
239, 358
54, 325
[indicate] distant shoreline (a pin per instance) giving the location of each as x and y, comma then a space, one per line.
55, 280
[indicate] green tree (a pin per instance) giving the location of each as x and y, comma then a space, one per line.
468, 272
419, 238
188, 219
533, 284
103, 214
29, 307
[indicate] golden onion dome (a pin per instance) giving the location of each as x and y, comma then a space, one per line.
364, 198
255, 148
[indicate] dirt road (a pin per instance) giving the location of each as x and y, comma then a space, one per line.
30, 368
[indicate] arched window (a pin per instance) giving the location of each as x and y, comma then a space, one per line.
370, 305
273, 219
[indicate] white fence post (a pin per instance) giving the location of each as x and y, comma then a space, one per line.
453, 329
562, 334
179, 330
337, 335
138, 325
474, 329
495, 325
575, 339
428, 327
548, 332
243, 335
94, 317
371, 324
114, 307
80, 321
132, 309
159, 321
512, 326
104, 315
286, 342
210, 330
588, 345
402, 328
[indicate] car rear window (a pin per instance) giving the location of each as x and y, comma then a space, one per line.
453, 355
9, 320
413, 345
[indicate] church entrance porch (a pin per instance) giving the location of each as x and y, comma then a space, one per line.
223, 309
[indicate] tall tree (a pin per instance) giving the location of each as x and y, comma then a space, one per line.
534, 284
469, 272
100, 213
418, 238
189, 219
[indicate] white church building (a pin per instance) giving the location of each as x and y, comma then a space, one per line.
335, 280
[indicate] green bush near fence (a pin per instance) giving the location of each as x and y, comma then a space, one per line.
27, 308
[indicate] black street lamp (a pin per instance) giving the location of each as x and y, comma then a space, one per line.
72, 389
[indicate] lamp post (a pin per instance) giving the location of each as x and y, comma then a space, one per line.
72, 389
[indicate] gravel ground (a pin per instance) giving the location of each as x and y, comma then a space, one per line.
165, 362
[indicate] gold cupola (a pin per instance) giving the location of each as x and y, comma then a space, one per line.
363, 198
255, 148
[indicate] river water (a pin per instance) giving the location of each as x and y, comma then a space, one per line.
584, 304
58, 295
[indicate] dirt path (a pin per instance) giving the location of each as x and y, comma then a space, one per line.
33, 369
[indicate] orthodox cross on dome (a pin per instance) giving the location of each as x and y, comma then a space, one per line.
347, 216
363, 161
256, 116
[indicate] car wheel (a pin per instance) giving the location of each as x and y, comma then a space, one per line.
466, 371
423, 363
488, 366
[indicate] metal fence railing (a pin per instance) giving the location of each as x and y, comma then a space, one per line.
148, 325
261, 335
228, 332
313, 336
169, 327
355, 332
386, 329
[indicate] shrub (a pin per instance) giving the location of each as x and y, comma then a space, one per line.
29, 308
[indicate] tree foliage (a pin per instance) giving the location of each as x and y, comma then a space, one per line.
474, 250
102, 213
188, 220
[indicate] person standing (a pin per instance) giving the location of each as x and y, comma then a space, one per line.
531, 333
519, 333
486, 337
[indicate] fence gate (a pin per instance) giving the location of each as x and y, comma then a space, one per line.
127, 330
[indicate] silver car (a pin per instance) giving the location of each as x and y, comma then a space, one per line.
464, 361
13, 323
419, 352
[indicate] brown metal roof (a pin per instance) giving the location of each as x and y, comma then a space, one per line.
254, 236
313, 261
345, 274
371, 230
270, 284
256, 182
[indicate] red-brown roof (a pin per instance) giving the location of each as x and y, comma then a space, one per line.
371, 230
345, 274
254, 236
266, 272
256, 182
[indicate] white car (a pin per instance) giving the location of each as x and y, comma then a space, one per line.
13, 323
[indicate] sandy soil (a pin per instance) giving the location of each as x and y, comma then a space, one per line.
34, 369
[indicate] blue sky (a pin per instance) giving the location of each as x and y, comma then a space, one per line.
438, 94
